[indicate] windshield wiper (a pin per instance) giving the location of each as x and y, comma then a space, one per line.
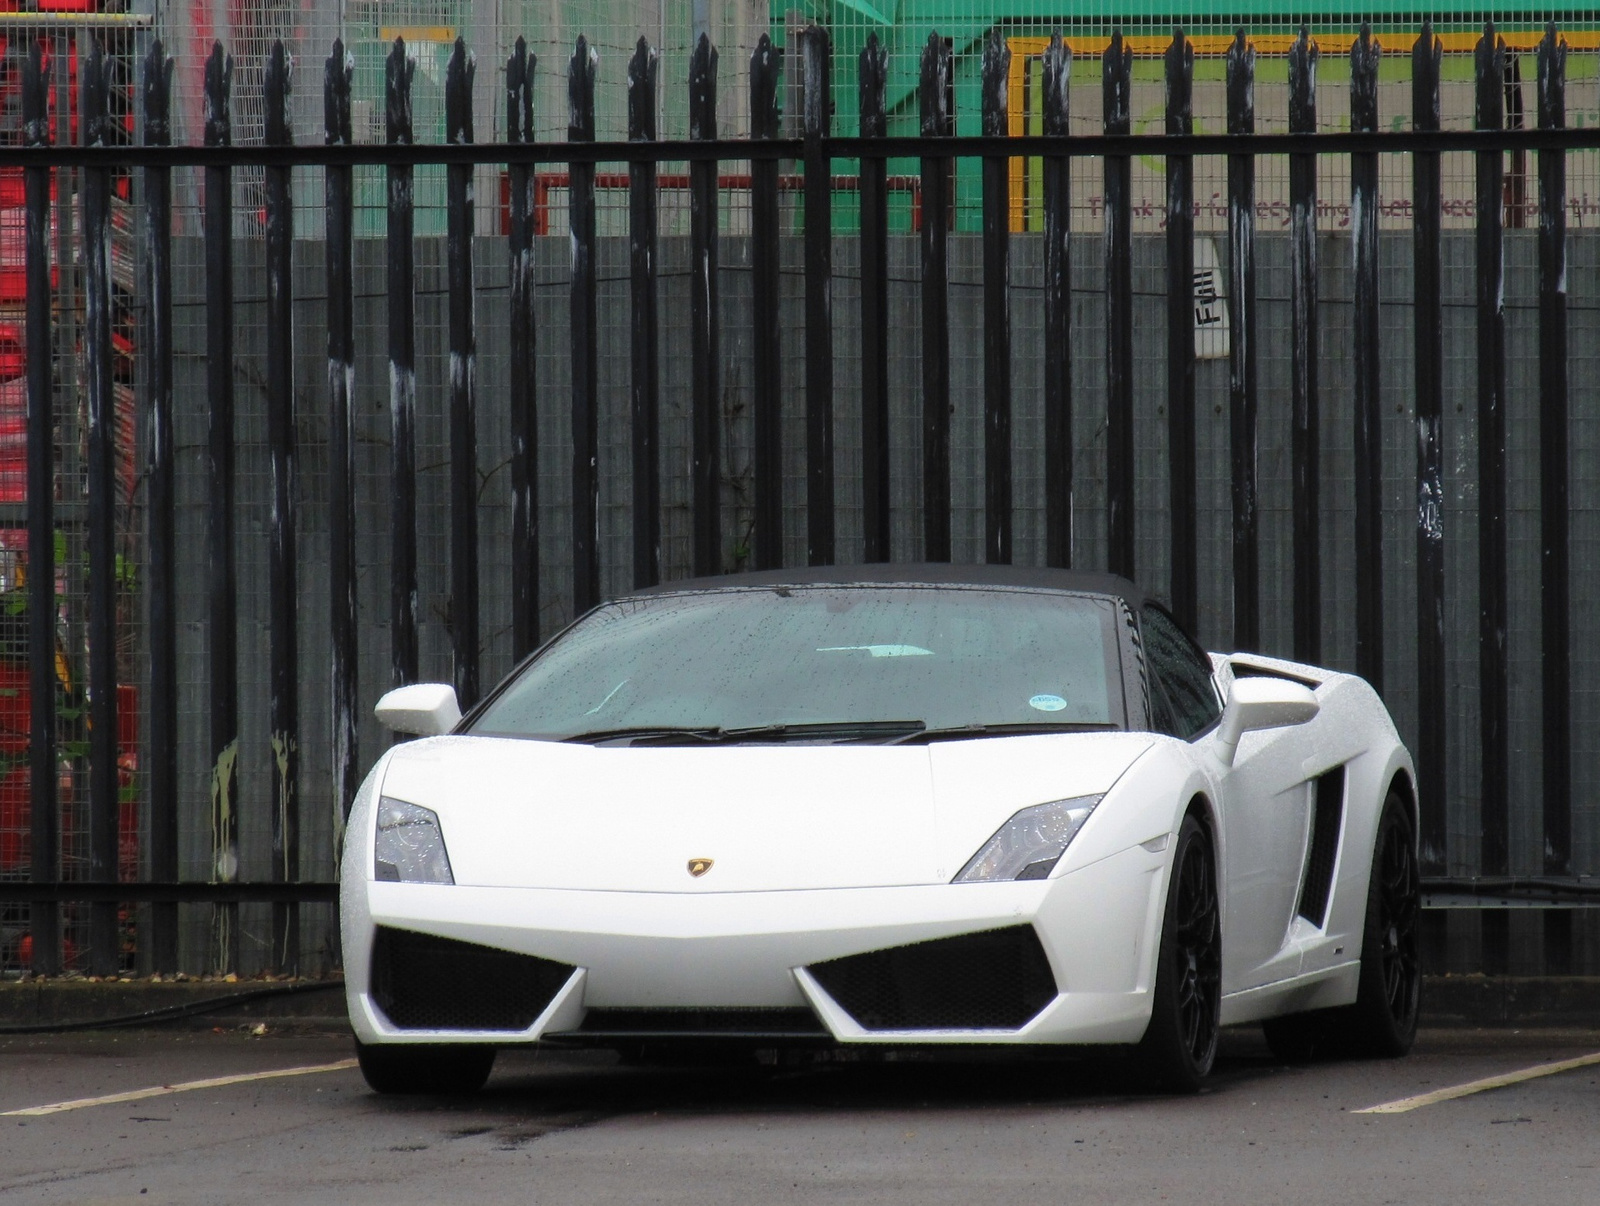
647, 730
844, 730
1018, 728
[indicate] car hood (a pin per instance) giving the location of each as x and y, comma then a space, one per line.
767, 817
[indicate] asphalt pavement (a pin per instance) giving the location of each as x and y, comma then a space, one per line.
284, 1118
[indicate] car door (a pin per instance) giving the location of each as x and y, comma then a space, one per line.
1263, 802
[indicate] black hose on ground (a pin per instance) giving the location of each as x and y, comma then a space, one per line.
173, 1013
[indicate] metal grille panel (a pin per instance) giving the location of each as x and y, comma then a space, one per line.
995, 980
421, 982
704, 1022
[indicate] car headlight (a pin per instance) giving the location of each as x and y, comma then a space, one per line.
410, 846
1030, 843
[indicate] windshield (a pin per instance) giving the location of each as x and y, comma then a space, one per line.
876, 660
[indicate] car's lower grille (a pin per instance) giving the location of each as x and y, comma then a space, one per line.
995, 980
751, 1023
421, 982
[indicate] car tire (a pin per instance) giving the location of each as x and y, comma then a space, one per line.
1383, 1021
409, 1068
1180, 1044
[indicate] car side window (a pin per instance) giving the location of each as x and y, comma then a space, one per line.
1181, 673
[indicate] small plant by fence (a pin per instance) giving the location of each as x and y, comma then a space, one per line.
533, 172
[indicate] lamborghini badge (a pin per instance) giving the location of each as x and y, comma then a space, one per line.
699, 866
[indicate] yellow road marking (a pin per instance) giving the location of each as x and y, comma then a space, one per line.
215, 1082
1406, 1104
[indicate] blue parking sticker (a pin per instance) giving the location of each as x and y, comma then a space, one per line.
1047, 703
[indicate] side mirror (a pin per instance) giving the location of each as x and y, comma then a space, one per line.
425, 709
1261, 703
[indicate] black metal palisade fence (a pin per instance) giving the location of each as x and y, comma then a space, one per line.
1060, 154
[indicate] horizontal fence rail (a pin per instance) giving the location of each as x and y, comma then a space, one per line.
1096, 146
901, 409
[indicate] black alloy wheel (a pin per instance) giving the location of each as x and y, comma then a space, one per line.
1383, 1021
1398, 906
1180, 1045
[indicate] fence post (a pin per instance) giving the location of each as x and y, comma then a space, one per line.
161, 747
1305, 419
459, 75
938, 121
996, 305
222, 620
1182, 504
704, 328
817, 65
338, 195
282, 584
873, 77
43, 770
1555, 621
581, 70
646, 381
97, 130
1242, 346
1365, 52
1116, 74
522, 344
399, 70
1494, 702
1428, 308
1057, 196
766, 333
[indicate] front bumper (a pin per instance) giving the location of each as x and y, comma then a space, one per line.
1098, 927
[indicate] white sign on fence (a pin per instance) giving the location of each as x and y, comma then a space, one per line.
1210, 303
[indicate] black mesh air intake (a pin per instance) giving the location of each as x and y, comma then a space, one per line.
695, 1023
425, 983
996, 980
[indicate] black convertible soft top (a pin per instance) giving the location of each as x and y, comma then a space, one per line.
931, 574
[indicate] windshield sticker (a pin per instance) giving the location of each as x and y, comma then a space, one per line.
1047, 703
882, 651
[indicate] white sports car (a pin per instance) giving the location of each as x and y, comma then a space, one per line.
892, 805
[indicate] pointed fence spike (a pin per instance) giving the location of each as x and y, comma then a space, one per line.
583, 331
523, 345
997, 305
937, 121
1116, 75
766, 336
872, 76
1057, 198
816, 51
1184, 546
44, 826
1242, 402
1304, 403
460, 226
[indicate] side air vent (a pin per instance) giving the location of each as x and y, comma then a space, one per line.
1325, 823
421, 982
1251, 670
995, 980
